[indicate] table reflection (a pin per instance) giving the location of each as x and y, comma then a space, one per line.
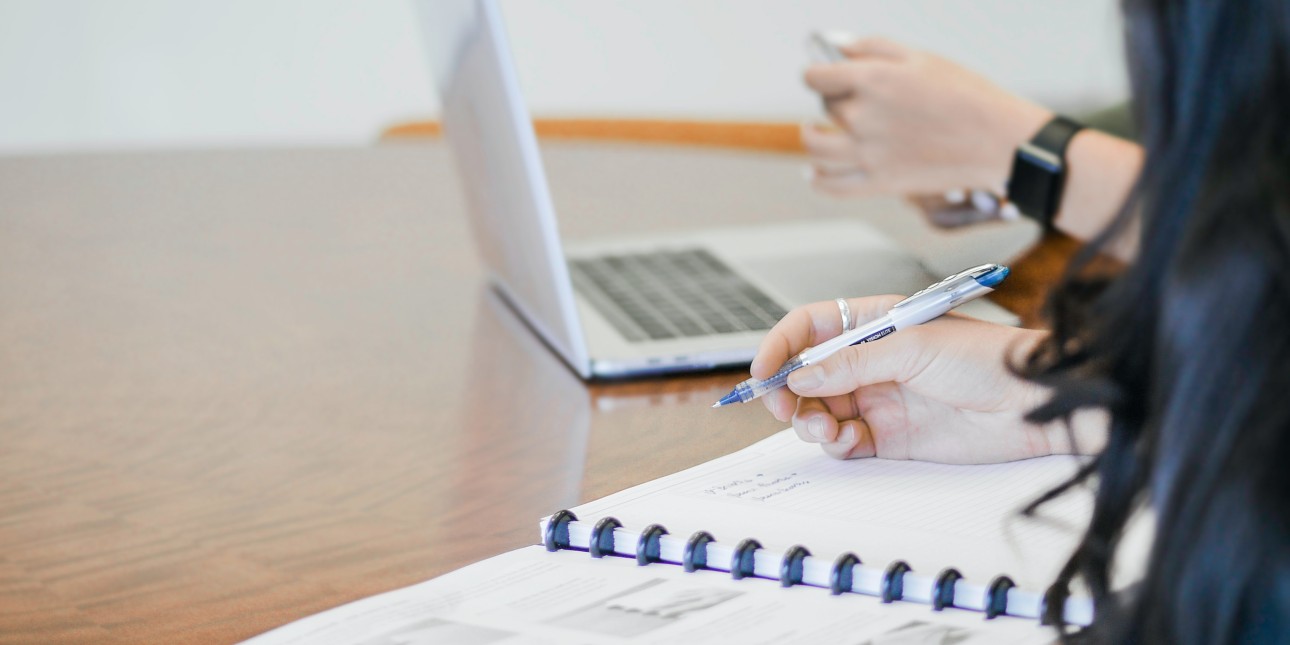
524, 421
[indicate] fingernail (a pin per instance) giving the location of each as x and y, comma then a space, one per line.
808, 173
807, 379
816, 427
848, 435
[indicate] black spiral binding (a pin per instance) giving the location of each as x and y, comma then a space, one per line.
557, 530
893, 581
840, 575
602, 537
943, 588
743, 562
1052, 604
647, 547
996, 596
695, 556
790, 569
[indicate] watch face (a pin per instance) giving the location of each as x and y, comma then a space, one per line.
1036, 156
1035, 182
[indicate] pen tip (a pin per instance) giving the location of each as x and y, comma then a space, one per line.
733, 397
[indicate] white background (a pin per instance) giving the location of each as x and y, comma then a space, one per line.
93, 74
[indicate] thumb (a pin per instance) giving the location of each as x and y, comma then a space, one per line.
896, 358
875, 47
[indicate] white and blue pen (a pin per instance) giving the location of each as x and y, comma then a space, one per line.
917, 309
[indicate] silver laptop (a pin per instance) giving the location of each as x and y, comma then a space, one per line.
631, 307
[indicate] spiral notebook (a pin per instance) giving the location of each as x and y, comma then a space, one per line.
935, 534
773, 543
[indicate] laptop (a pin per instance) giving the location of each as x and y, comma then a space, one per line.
629, 308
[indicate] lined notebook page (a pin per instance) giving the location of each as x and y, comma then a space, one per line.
784, 492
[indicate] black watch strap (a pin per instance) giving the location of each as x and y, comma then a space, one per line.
1039, 170
1057, 134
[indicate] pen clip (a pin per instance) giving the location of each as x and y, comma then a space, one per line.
952, 282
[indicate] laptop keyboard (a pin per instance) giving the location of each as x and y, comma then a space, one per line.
672, 294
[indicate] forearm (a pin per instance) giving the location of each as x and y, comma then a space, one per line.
1101, 170
912, 123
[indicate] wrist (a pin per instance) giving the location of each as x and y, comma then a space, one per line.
1085, 434
1015, 125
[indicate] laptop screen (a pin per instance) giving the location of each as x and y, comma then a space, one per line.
508, 201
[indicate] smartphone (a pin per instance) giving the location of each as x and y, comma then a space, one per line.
823, 47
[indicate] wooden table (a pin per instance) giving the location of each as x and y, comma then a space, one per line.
241, 387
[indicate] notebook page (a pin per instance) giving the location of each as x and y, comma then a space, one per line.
784, 492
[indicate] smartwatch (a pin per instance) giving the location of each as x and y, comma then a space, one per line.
1039, 170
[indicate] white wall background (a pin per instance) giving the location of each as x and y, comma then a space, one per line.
89, 74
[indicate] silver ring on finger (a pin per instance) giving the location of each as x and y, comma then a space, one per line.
843, 308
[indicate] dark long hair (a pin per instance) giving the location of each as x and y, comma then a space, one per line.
1188, 349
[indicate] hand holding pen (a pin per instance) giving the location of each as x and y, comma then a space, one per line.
940, 391
917, 309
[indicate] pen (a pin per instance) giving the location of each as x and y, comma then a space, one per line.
915, 310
